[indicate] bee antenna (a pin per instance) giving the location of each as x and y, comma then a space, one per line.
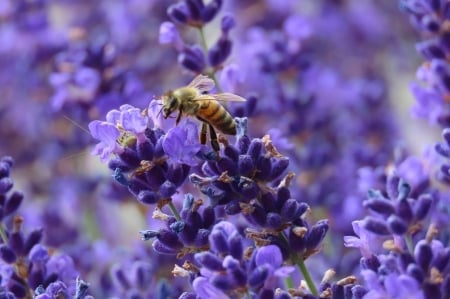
159, 112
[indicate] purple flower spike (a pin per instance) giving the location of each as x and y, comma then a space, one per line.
107, 133
181, 143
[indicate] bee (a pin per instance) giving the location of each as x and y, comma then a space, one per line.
193, 100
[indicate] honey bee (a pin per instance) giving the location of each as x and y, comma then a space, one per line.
193, 100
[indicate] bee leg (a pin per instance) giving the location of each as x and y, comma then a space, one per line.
178, 117
213, 137
203, 133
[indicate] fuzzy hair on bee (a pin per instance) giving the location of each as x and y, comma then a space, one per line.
195, 101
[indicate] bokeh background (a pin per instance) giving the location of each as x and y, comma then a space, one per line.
328, 80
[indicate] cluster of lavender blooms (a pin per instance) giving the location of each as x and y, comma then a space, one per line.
30, 269
431, 20
269, 216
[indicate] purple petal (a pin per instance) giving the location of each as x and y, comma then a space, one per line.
64, 266
154, 113
113, 116
181, 143
38, 254
205, 290
270, 254
284, 271
132, 120
226, 227
351, 241
107, 133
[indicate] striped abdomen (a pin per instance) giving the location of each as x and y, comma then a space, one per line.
215, 114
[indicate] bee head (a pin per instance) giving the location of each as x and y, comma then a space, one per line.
170, 104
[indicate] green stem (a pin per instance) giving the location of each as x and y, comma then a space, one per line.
3, 234
289, 282
203, 39
174, 211
212, 73
301, 265
409, 243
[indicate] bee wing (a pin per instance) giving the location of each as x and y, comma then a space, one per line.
227, 97
221, 97
202, 83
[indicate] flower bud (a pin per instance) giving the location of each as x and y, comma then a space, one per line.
263, 166
145, 150
13, 203
228, 165
227, 23
422, 206
273, 220
254, 149
209, 261
178, 12
192, 59
442, 149
231, 152
169, 239
6, 183
375, 225
211, 10
423, 254
219, 52
279, 165
430, 49
243, 144
396, 225
167, 189
235, 246
6, 254
414, 271
245, 165
317, 234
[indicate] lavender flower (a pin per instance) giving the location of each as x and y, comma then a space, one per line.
194, 13
27, 264
225, 270
397, 215
243, 223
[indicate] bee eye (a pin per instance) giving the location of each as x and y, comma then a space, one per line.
173, 102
